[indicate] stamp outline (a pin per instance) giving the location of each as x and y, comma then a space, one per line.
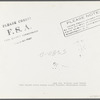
81, 30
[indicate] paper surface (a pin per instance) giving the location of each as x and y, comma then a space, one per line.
50, 49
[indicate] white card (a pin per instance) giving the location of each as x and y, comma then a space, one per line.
50, 49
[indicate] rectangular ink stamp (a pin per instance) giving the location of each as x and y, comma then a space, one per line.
81, 23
